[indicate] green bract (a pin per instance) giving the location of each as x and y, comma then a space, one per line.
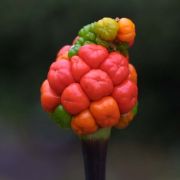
61, 117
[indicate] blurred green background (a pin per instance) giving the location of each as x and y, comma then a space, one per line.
32, 147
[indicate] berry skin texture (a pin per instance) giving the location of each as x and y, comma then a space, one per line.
106, 29
132, 74
126, 96
116, 66
105, 111
74, 99
84, 123
45, 87
91, 85
49, 100
87, 32
59, 75
63, 53
126, 31
63, 50
126, 118
93, 54
78, 68
96, 84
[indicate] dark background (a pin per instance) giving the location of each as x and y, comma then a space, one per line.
32, 147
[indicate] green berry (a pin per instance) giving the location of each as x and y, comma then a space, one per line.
61, 117
106, 29
90, 36
86, 33
84, 30
74, 49
71, 52
80, 41
135, 109
92, 25
102, 42
88, 42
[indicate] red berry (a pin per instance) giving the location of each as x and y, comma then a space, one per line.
116, 66
93, 54
59, 75
74, 99
96, 84
126, 96
78, 68
49, 100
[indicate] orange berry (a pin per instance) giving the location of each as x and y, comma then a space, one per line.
105, 111
63, 57
84, 123
63, 53
132, 74
125, 119
126, 31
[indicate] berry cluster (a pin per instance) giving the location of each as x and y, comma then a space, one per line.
114, 34
91, 84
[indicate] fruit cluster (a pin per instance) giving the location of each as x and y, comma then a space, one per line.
114, 34
91, 84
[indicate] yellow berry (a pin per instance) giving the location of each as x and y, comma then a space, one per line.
106, 29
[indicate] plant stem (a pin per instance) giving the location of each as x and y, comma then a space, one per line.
94, 149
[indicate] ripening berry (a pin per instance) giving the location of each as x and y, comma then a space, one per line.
106, 29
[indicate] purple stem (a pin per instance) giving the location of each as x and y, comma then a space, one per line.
94, 155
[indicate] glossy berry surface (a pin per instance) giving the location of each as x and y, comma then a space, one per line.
93, 85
